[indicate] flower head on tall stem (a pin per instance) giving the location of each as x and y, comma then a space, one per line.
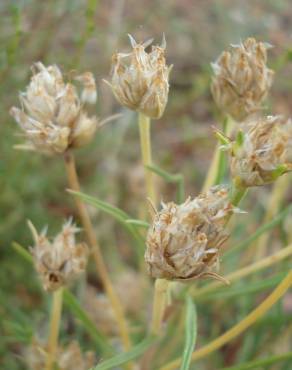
184, 240
139, 80
262, 151
241, 79
52, 116
60, 260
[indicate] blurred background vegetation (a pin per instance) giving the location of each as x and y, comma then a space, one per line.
82, 35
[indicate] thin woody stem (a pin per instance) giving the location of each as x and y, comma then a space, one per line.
161, 285
56, 311
100, 264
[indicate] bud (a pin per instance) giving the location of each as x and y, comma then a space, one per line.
52, 116
241, 79
264, 151
68, 358
140, 79
184, 240
61, 260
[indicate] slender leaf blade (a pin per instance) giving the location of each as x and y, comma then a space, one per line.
190, 334
123, 358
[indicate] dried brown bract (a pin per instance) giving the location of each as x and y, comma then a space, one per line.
140, 79
61, 260
184, 240
53, 117
263, 152
241, 79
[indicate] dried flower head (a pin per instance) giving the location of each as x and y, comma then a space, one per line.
53, 117
241, 79
184, 240
61, 260
262, 152
140, 79
67, 358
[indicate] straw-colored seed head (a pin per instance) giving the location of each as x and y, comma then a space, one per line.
52, 115
264, 153
140, 79
61, 260
67, 358
184, 240
241, 79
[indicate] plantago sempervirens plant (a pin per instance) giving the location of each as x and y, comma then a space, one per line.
140, 79
262, 151
242, 79
61, 260
53, 116
185, 240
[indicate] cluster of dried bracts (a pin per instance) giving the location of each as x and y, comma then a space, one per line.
184, 240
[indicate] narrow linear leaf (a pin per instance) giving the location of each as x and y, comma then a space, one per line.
123, 358
190, 334
262, 229
138, 223
117, 214
260, 363
22, 252
240, 290
168, 177
74, 306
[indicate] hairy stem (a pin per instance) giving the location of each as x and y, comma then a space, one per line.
56, 311
100, 264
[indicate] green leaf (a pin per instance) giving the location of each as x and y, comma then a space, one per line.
22, 252
190, 333
99, 339
171, 178
138, 223
123, 358
242, 290
260, 230
260, 363
117, 214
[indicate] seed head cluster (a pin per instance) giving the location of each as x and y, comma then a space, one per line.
242, 79
184, 240
61, 260
52, 115
264, 153
140, 79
